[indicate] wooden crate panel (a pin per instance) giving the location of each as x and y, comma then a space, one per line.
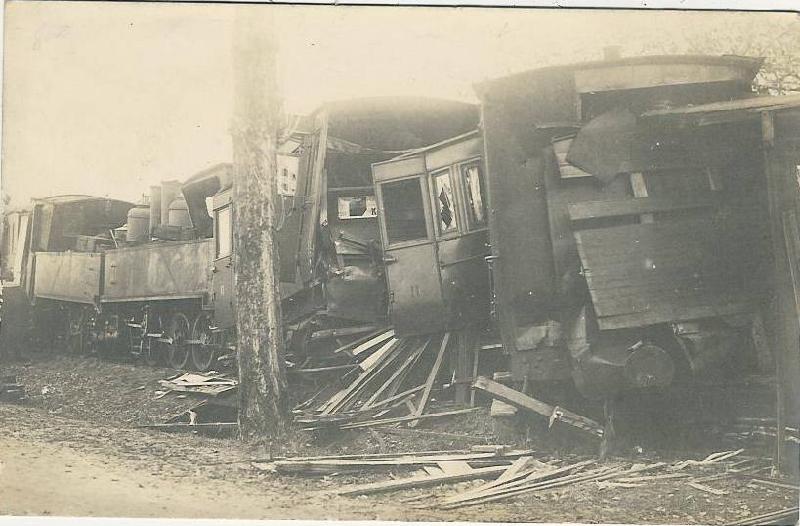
643, 274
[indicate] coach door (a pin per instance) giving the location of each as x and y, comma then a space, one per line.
412, 272
222, 266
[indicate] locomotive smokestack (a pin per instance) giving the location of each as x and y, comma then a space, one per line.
169, 191
155, 207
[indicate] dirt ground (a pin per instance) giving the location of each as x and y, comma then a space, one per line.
73, 449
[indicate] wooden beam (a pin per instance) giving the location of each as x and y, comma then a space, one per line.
589, 210
419, 482
523, 401
639, 187
412, 358
426, 393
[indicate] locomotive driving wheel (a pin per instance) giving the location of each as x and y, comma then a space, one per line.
205, 343
178, 332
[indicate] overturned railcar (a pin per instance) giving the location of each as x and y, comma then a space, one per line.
639, 248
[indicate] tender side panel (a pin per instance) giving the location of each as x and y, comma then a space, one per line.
170, 270
68, 276
650, 273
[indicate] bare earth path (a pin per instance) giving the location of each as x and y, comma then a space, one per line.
73, 450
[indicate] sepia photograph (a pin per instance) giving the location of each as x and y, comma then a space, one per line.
399, 263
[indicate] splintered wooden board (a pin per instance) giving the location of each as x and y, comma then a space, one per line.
664, 271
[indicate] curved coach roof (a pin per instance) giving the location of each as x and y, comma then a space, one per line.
746, 68
399, 123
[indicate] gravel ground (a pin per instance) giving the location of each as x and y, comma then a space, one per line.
81, 415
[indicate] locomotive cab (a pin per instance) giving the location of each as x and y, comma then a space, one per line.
433, 216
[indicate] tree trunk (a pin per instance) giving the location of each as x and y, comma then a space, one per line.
262, 380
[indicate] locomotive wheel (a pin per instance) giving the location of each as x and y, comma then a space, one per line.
178, 331
203, 353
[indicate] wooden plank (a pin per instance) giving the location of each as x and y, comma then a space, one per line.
434, 471
352, 345
337, 400
362, 456
419, 482
475, 361
372, 342
378, 355
409, 417
771, 517
466, 341
639, 187
393, 398
410, 360
426, 393
436, 434
707, 489
588, 210
533, 482
334, 464
368, 376
341, 331
523, 401
515, 481
455, 467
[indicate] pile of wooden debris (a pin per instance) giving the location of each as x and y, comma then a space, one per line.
215, 414
503, 473
392, 380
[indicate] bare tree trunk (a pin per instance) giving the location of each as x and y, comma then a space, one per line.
262, 400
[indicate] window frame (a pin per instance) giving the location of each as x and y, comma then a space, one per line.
382, 213
228, 207
457, 204
461, 166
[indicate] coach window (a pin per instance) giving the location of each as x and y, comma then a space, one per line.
444, 202
224, 234
404, 211
474, 192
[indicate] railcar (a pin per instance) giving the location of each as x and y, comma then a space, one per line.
616, 252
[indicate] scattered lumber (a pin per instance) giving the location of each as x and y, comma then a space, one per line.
426, 393
418, 482
339, 332
398, 419
772, 517
523, 401
435, 434
776, 484
377, 393
199, 384
710, 459
707, 489
447, 461
209, 427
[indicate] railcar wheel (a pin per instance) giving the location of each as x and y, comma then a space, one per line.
178, 331
205, 350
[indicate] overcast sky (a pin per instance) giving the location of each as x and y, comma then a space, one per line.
106, 99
